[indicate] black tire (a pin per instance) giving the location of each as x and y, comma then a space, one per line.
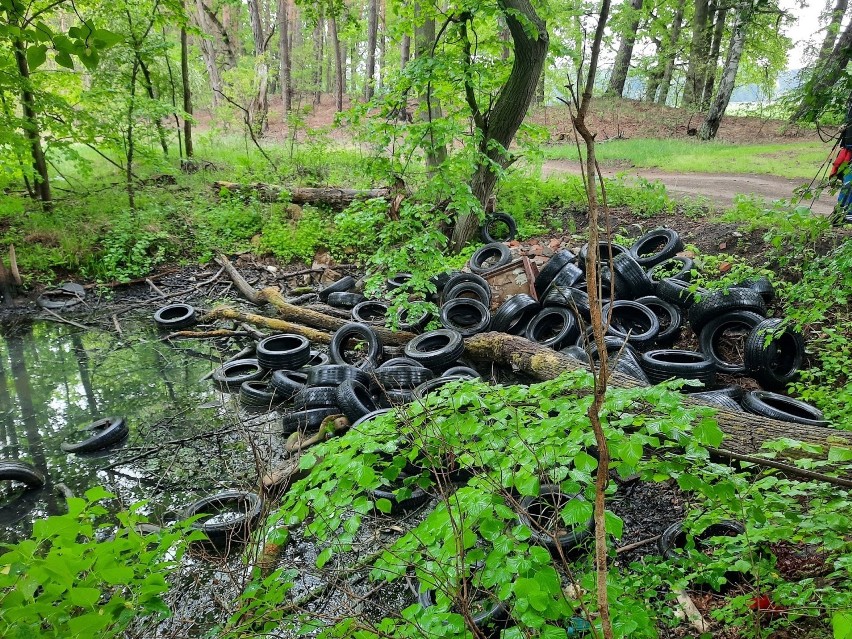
398, 281
288, 383
542, 511
391, 398
283, 352
371, 312
783, 408
626, 279
571, 297
230, 376
603, 247
402, 377
315, 397
576, 352
621, 357
551, 268
664, 364
436, 349
418, 496
318, 358
553, 326
716, 303
483, 616
569, 275
718, 400
656, 246
632, 321
342, 285
762, 285
413, 325
354, 400
22, 472
345, 300
461, 371
514, 314
399, 361
335, 374
730, 329
488, 231
354, 330
468, 317
776, 363
107, 431
175, 317
236, 529
676, 268
259, 394
674, 538
677, 292
435, 384
306, 421
369, 417
494, 255
669, 317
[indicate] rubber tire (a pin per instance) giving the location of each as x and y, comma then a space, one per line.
417, 498
485, 231
257, 394
109, 431
762, 285
315, 397
569, 275
466, 316
402, 377
391, 398
22, 472
514, 314
566, 333
489, 251
719, 400
484, 620
672, 318
287, 383
715, 303
766, 404
335, 374
398, 281
627, 278
174, 317
708, 339
366, 312
231, 383
677, 292
462, 371
551, 268
603, 247
306, 421
399, 361
576, 352
354, 400
344, 300
436, 349
571, 297
628, 307
774, 365
662, 364
670, 539
569, 541
342, 285
413, 326
283, 352
354, 329
235, 529
684, 274
671, 247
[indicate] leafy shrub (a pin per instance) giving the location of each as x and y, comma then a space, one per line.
132, 248
288, 240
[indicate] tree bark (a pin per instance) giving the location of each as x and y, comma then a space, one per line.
230, 51
285, 69
833, 28
383, 29
824, 77
625, 51
152, 95
729, 74
224, 312
328, 196
259, 106
404, 51
668, 71
208, 53
32, 129
316, 79
187, 93
430, 106
745, 433
497, 127
697, 56
340, 79
372, 37
713, 59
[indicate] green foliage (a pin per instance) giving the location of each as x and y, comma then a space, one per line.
295, 240
132, 248
67, 581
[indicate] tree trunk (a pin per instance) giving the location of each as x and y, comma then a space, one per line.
697, 56
259, 106
824, 77
668, 71
353, 68
430, 107
208, 52
340, 79
833, 28
285, 77
729, 74
316, 79
149, 88
713, 59
383, 29
745, 433
625, 51
372, 37
498, 126
327, 196
230, 51
31, 126
404, 51
187, 93
329, 59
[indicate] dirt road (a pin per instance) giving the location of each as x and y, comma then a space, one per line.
718, 188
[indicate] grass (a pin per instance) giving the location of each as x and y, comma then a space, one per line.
793, 160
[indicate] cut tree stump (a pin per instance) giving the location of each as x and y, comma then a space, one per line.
744, 433
329, 196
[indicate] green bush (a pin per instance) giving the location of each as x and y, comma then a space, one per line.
288, 240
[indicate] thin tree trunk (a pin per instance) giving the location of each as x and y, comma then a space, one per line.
149, 88
713, 59
187, 93
353, 68
130, 140
259, 105
328, 86
668, 71
383, 27
430, 107
372, 35
208, 53
625, 51
824, 77
316, 79
726, 85
697, 56
285, 74
219, 26
833, 28
31, 126
404, 51
340, 79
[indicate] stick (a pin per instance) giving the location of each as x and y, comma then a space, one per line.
787, 468
67, 321
154, 287
117, 325
220, 332
638, 544
13, 266
225, 312
251, 330
690, 612
245, 288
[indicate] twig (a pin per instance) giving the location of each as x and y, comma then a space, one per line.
154, 287
67, 321
638, 544
117, 325
787, 468
156, 449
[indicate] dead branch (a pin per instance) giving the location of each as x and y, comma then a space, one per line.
225, 312
333, 197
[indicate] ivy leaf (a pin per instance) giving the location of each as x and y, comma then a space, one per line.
708, 432
36, 56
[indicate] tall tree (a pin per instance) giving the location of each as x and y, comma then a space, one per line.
372, 38
672, 49
824, 76
625, 50
339, 76
208, 52
697, 56
259, 105
713, 58
430, 106
316, 77
832, 28
285, 74
186, 90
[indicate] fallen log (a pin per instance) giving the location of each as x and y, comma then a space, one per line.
744, 433
226, 312
306, 316
329, 196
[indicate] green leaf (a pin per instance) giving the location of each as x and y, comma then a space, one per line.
105, 39
84, 597
613, 524
838, 454
708, 432
384, 505
90, 59
118, 575
841, 624
527, 484
63, 59
36, 55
